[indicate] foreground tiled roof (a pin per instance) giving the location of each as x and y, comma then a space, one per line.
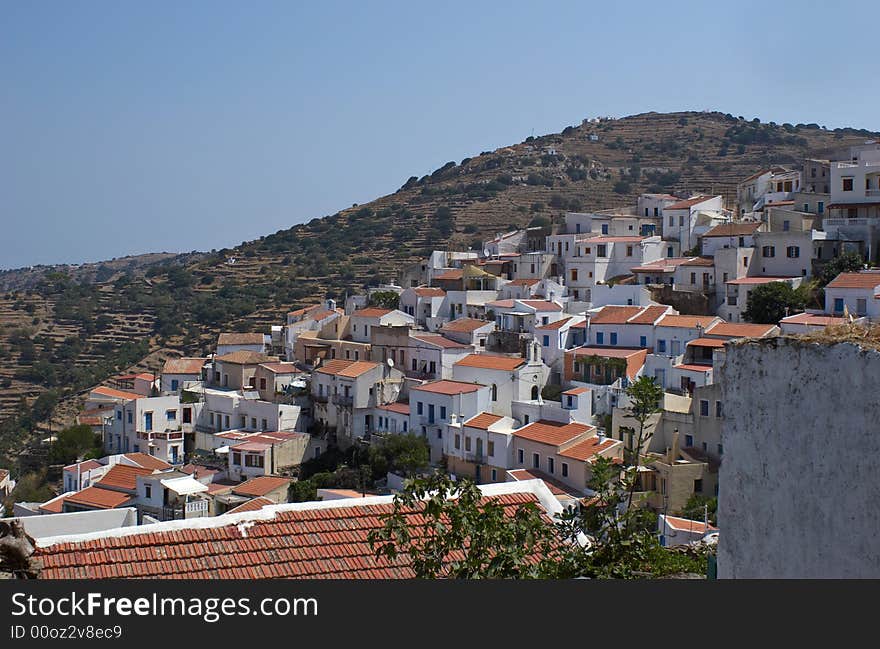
260, 486
490, 362
542, 305
554, 325
304, 540
741, 330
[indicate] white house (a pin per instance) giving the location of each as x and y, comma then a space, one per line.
624, 326
858, 293
432, 406
431, 356
178, 371
228, 343
468, 331
738, 291
597, 259
423, 303
685, 221
363, 320
784, 254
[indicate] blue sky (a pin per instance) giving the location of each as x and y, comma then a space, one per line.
137, 127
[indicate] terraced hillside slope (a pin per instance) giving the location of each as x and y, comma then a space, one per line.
61, 335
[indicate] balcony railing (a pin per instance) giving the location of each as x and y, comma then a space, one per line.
320, 398
343, 400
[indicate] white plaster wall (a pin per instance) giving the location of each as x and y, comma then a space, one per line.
798, 483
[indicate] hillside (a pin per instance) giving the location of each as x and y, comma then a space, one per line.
60, 334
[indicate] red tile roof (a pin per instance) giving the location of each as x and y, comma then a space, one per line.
400, 407
429, 291
491, 362
260, 486
733, 230
741, 330
296, 542
706, 342
122, 476
523, 282
252, 505
588, 448
448, 387
449, 275
280, 368
542, 305
148, 461
555, 325
53, 506
574, 391
465, 325
241, 339
687, 525
440, 341
244, 357
687, 321
694, 368
357, 368
667, 264
683, 205
614, 314
635, 358
501, 304
700, 261
483, 421
371, 312
304, 310
855, 280
333, 366
556, 487
553, 433
98, 498
812, 319
115, 394
649, 315
184, 365
88, 465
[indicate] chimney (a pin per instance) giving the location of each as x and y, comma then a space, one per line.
673, 452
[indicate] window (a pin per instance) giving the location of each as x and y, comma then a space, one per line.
171, 415
768, 251
643, 341
671, 220
847, 184
419, 407
688, 441
432, 367
793, 252
415, 365
565, 469
602, 250
519, 455
536, 460
494, 475
838, 304
629, 251
254, 423
704, 408
494, 392
786, 225
227, 421
698, 486
861, 306
254, 461
670, 252
148, 491
661, 346
600, 338
148, 421
236, 458
442, 412
491, 447
526, 419
720, 450
693, 278
187, 415
820, 207
718, 409
613, 338
574, 274
546, 341
174, 385
467, 443
604, 229
130, 417
119, 415
262, 384
551, 465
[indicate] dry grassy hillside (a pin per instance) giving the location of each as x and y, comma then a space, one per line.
179, 307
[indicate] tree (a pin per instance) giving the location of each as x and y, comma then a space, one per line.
463, 535
769, 303
74, 443
385, 299
644, 396
698, 506
848, 262
407, 453
302, 491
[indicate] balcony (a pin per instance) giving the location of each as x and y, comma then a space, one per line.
343, 400
476, 458
320, 398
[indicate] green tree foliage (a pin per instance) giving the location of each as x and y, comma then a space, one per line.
406, 453
848, 262
644, 396
699, 505
74, 443
302, 491
769, 303
385, 299
30, 488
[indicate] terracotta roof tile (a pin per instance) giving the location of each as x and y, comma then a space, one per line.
491, 362
400, 407
542, 305
483, 421
750, 281
148, 461
244, 357
448, 387
687, 525
371, 312
252, 505
122, 476
812, 319
556, 487
333, 366
98, 498
553, 433
683, 205
465, 325
260, 486
649, 315
741, 330
184, 365
574, 391
357, 368
329, 542
429, 291
440, 341
115, 394
450, 275
280, 368
555, 325
687, 321
588, 448
241, 339
733, 230
855, 280
614, 314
